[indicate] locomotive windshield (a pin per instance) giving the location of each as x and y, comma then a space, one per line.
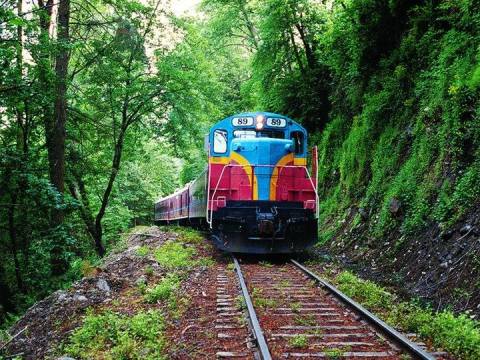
220, 141
250, 134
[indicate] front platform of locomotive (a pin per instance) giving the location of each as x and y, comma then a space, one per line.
262, 198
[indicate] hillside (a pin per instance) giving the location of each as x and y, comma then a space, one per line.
390, 92
400, 157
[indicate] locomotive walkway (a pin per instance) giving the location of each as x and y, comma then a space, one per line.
292, 313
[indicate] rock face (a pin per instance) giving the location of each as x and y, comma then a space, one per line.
465, 229
48, 322
395, 206
102, 284
363, 213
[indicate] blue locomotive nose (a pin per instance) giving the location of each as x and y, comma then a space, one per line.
263, 154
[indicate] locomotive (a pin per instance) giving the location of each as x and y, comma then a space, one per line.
256, 194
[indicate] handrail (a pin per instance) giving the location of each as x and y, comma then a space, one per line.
210, 216
208, 187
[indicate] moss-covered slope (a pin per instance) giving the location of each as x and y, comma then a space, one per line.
400, 156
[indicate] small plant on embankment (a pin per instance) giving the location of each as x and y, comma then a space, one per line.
186, 234
173, 255
457, 334
143, 251
110, 335
164, 290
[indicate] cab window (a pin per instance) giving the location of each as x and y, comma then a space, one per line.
274, 134
245, 134
299, 141
251, 134
220, 141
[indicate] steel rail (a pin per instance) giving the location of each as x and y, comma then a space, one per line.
257, 330
386, 329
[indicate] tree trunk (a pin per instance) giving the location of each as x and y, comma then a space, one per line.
56, 146
78, 191
113, 174
56, 133
13, 241
309, 53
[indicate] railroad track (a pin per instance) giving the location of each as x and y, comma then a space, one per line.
293, 313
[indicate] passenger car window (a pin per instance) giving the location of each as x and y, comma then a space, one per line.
298, 139
220, 141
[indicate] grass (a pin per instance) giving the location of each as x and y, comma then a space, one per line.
295, 306
186, 234
305, 320
173, 255
110, 335
206, 262
149, 270
143, 251
266, 264
240, 302
298, 341
262, 302
457, 334
333, 353
366, 292
165, 290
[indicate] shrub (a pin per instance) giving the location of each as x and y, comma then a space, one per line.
115, 336
298, 341
457, 334
174, 255
164, 290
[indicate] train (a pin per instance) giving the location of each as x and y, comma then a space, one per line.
257, 194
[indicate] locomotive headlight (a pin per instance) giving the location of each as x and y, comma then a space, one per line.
260, 122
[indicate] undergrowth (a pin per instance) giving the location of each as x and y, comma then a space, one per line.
174, 255
457, 334
110, 335
165, 290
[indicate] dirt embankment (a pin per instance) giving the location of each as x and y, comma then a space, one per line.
49, 322
131, 282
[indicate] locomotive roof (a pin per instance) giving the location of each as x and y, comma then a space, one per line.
254, 114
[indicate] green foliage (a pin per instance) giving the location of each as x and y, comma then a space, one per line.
298, 341
333, 353
365, 291
457, 334
259, 300
163, 291
187, 235
110, 335
404, 121
174, 255
305, 320
143, 251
